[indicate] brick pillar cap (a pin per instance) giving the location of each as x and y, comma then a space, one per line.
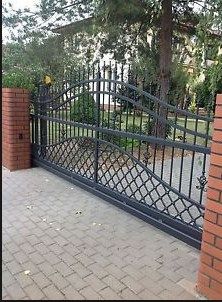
15, 90
219, 99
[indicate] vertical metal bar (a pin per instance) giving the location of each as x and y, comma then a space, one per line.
193, 157
104, 83
97, 114
135, 96
84, 99
172, 154
109, 87
182, 154
89, 95
43, 123
79, 79
163, 149
36, 112
205, 157
127, 107
155, 145
120, 110
141, 120
93, 89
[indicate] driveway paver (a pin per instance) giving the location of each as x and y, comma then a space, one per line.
61, 242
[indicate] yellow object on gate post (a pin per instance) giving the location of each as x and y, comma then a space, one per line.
47, 80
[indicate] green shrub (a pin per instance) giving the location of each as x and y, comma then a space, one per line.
17, 79
84, 109
149, 128
114, 124
134, 129
193, 106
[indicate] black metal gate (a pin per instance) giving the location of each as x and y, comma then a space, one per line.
127, 146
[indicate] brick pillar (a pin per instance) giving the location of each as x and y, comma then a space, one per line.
209, 281
16, 150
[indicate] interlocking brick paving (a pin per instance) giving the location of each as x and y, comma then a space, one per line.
61, 242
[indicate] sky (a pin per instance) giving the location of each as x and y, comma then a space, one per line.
16, 4
21, 4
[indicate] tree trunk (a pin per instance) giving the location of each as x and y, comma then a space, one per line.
165, 60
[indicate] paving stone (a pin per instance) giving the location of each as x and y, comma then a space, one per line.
72, 294
51, 258
166, 295
68, 259
90, 294
82, 260
127, 294
36, 258
173, 276
52, 293
101, 260
12, 247
46, 268
27, 248
33, 239
76, 281
154, 287
81, 270
171, 286
41, 280
115, 271
63, 268
14, 267
98, 270
133, 272
58, 280
21, 257
55, 248
7, 256
147, 295
30, 266
132, 284
108, 294
23, 279
16, 292
8, 278
95, 282
33, 292
113, 283
47, 240
42, 248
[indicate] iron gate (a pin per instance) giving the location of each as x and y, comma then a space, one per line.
102, 130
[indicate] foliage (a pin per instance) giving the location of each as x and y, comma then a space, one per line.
126, 38
39, 57
179, 81
134, 128
150, 125
114, 124
17, 78
206, 91
83, 110
193, 106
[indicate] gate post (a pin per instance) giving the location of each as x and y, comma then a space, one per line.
16, 145
44, 91
97, 125
209, 281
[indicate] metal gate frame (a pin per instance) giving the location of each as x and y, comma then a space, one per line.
41, 144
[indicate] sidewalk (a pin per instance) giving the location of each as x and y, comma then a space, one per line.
61, 242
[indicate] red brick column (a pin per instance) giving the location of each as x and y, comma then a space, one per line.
210, 271
16, 151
